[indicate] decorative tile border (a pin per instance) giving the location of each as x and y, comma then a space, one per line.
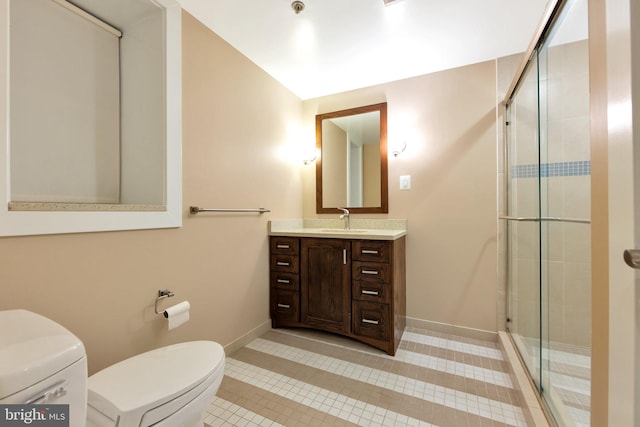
547, 170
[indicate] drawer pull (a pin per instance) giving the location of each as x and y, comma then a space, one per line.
285, 281
372, 272
282, 263
369, 252
372, 322
282, 246
366, 292
284, 306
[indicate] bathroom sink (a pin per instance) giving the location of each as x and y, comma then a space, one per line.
341, 230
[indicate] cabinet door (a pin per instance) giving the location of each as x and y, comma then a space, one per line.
326, 284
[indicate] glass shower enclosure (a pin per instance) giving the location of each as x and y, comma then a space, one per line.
547, 174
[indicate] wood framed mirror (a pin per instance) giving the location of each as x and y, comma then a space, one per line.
352, 169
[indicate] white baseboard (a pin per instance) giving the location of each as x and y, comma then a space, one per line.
447, 328
248, 337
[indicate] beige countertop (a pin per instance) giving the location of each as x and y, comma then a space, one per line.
370, 229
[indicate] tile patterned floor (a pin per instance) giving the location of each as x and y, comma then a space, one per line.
292, 377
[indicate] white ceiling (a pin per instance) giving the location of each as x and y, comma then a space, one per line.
338, 45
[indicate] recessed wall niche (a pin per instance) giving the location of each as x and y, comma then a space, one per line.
92, 115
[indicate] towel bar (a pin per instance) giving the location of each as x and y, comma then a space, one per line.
193, 210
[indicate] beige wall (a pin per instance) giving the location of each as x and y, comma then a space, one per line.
237, 123
448, 120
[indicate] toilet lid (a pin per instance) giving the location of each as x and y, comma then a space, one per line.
130, 388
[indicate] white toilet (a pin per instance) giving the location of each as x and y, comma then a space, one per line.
45, 363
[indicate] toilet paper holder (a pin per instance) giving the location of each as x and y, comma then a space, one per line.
162, 294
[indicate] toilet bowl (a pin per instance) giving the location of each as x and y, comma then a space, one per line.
170, 386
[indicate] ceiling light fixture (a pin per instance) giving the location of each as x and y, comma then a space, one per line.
297, 6
390, 2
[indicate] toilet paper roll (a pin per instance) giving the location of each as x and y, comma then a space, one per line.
177, 314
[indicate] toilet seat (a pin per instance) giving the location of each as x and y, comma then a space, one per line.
166, 380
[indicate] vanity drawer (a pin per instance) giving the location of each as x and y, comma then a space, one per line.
371, 251
285, 281
284, 245
371, 320
371, 272
285, 305
371, 291
285, 263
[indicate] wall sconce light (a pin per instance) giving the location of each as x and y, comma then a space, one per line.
309, 159
398, 148
310, 155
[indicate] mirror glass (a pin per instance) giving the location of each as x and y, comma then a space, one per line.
352, 169
93, 143
99, 108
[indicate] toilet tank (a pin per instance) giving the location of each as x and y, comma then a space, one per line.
41, 362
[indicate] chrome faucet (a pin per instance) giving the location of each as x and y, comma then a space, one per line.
346, 217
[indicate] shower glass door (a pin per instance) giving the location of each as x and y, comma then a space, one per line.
565, 202
548, 211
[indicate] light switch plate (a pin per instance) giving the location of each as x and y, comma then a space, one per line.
405, 182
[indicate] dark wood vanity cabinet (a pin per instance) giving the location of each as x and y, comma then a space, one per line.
351, 287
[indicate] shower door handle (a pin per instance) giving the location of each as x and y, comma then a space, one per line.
632, 258
521, 218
